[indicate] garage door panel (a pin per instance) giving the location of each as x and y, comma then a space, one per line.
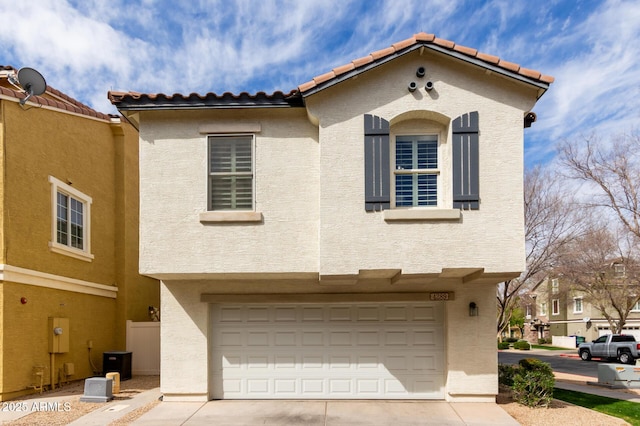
352, 351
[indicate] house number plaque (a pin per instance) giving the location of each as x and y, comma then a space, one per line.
441, 296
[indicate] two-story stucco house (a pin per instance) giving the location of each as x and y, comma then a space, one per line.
343, 240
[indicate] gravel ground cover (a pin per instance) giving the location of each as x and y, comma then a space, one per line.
76, 408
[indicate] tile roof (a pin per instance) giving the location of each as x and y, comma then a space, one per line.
55, 99
135, 100
125, 100
428, 40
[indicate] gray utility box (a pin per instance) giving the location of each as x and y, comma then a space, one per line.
619, 375
97, 389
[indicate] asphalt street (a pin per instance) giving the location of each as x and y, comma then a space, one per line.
560, 361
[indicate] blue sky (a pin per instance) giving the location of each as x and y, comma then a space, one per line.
87, 47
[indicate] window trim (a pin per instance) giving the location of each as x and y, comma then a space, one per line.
544, 309
436, 171
555, 286
253, 171
57, 186
555, 303
575, 309
231, 216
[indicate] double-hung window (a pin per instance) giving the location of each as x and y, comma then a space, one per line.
416, 171
231, 183
71, 220
577, 305
555, 307
543, 309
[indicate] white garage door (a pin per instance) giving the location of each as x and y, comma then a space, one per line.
338, 351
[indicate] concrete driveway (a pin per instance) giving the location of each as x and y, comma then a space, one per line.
326, 413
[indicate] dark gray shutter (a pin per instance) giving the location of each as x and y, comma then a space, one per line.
466, 194
377, 195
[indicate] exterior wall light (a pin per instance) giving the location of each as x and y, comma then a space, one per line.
473, 309
429, 86
420, 72
412, 86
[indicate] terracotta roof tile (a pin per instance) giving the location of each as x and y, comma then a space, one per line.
444, 43
404, 43
362, 61
382, 53
324, 77
530, 73
488, 58
465, 50
424, 37
344, 68
547, 78
508, 65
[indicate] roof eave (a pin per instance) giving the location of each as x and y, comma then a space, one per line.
127, 102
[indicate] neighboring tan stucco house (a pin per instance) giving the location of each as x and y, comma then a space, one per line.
68, 238
332, 242
561, 309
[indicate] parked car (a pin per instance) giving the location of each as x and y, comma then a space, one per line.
622, 347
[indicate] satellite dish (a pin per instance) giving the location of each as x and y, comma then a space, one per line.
32, 82
586, 319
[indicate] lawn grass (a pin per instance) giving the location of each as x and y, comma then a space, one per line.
549, 348
625, 410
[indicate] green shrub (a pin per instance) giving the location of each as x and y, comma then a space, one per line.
503, 345
505, 374
542, 341
511, 339
533, 383
523, 345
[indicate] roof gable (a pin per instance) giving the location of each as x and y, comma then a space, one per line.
421, 41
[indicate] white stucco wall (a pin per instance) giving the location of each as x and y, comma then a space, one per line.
173, 192
310, 181
471, 356
492, 237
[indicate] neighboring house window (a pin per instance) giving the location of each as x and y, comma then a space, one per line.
231, 183
416, 171
577, 305
543, 309
636, 307
555, 306
619, 270
71, 215
555, 286
528, 313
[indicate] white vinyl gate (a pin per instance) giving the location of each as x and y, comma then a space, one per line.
143, 341
335, 351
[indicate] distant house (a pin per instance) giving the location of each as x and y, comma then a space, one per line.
69, 249
342, 240
558, 308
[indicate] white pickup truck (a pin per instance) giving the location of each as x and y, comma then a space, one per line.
622, 347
